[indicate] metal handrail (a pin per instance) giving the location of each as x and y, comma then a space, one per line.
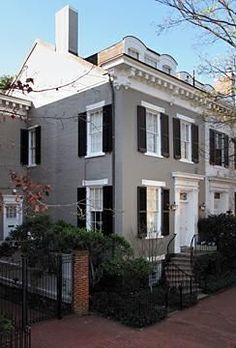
168, 245
181, 270
192, 247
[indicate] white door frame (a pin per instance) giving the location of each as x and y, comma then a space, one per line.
186, 182
11, 200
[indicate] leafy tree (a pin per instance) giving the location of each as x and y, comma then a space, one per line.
5, 83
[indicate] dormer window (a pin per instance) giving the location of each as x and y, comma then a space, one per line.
151, 61
166, 69
133, 53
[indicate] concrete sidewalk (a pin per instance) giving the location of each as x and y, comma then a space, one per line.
209, 324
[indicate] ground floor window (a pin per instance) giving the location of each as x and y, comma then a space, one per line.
94, 208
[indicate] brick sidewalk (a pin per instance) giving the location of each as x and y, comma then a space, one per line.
210, 324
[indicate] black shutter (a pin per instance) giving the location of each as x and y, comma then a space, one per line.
141, 119
142, 211
165, 151
107, 215
107, 128
24, 146
176, 138
195, 151
212, 146
81, 204
165, 230
82, 134
38, 145
226, 151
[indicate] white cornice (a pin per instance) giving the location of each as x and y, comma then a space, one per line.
188, 176
125, 71
12, 102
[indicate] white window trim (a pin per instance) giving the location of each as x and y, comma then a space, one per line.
88, 205
93, 108
152, 107
186, 118
153, 154
99, 182
153, 183
30, 163
155, 235
182, 159
158, 185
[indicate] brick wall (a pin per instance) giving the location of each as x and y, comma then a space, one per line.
81, 282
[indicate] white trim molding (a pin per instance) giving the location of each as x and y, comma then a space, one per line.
189, 176
152, 106
153, 183
186, 118
99, 182
95, 106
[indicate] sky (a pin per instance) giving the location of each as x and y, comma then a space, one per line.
101, 24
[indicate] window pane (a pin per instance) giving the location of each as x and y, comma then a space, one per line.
152, 210
95, 131
152, 131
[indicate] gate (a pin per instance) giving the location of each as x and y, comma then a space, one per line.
31, 293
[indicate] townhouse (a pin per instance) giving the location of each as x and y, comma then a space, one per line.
120, 138
13, 113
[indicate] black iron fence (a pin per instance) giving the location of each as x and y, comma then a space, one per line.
31, 293
18, 338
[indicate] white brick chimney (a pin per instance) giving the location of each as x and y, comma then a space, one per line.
67, 30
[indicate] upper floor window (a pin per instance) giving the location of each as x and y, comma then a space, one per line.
31, 146
95, 131
185, 139
133, 53
153, 130
219, 148
166, 69
94, 139
151, 61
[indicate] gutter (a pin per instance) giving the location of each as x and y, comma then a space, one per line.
113, 148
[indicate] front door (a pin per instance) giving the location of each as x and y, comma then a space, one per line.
12, 215
186, 221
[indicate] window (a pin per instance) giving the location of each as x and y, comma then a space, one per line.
153, 211
94, 208
166, 69
32, 146
153, 134
95, 130
133, 53
30, 150
153, 130
151, 61
11, 211
219, 148
186, 141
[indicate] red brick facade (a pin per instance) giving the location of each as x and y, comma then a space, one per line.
81, 282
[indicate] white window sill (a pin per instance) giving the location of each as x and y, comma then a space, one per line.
32, 165
153, 154
95, 154
186, 161
154, 236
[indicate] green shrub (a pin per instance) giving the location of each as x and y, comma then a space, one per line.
220, 229
121, 275
5, 326
214, 284
134, 309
